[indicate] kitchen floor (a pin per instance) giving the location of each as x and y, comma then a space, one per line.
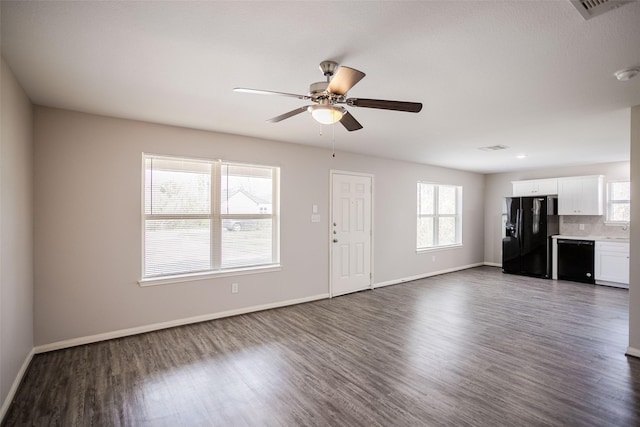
474, 348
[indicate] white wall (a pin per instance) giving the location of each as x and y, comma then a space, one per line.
634, 270
16, 230
498, 186
88, 223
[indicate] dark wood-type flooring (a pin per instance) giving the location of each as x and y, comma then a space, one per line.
471, 348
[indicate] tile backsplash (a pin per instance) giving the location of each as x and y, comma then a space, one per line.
593, 226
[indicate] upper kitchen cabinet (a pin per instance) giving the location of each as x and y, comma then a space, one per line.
535, 187
580, 195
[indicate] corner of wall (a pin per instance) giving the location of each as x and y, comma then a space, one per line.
634, 265
16, 234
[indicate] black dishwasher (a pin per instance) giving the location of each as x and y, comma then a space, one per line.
575, 260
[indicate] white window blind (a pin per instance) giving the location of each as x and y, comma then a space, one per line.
204, 216
439, 216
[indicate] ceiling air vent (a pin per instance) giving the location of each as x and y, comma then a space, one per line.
590, 8
493, 148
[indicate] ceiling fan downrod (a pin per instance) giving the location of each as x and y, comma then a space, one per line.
328, 68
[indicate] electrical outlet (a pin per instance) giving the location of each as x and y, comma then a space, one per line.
581, 227
234, 288
433, 258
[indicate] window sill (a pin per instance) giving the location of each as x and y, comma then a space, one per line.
179, 278
617, 223
438, 248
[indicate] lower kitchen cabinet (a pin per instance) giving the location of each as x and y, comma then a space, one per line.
612, 263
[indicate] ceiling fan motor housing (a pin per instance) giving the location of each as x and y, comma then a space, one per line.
320, 94
318, 88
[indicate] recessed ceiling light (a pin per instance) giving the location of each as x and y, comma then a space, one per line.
521, 156
627, 73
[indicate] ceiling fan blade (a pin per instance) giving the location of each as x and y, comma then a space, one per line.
410, 107
269, 92
349, 122
344, 79
291, 113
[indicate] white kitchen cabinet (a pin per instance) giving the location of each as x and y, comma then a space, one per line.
535, 187
612, 263
580, 195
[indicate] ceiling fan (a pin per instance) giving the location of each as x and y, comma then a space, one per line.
328, 97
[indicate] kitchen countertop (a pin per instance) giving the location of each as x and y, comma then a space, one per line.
594, 238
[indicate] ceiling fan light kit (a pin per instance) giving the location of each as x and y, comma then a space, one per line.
327, 97
326, 114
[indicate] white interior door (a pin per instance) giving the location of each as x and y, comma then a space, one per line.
350, 233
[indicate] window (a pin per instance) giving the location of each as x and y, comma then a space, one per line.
208, 216
618, 202
439, 215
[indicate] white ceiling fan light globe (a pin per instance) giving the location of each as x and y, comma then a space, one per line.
326, 114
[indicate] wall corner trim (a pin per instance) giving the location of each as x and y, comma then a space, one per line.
492, 264
15, 385
170, 324
633, 352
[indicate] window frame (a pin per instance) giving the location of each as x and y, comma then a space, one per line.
609, 202
216, 218
436, 216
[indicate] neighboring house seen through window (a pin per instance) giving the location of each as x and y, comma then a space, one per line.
439, 215
619, 202
208, 216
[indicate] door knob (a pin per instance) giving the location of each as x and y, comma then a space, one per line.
335, 240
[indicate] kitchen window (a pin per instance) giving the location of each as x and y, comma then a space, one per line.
439, 216
618, 202
207, 217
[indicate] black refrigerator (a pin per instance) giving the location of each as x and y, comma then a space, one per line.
526, 247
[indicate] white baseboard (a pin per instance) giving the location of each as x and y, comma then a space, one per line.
492, 264
612, 284
196, 319
425, 275
633, 352
15, 385
170, 324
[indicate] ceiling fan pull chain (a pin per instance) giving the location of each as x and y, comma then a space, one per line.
333, 140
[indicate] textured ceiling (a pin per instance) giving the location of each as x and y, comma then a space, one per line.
533, 76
